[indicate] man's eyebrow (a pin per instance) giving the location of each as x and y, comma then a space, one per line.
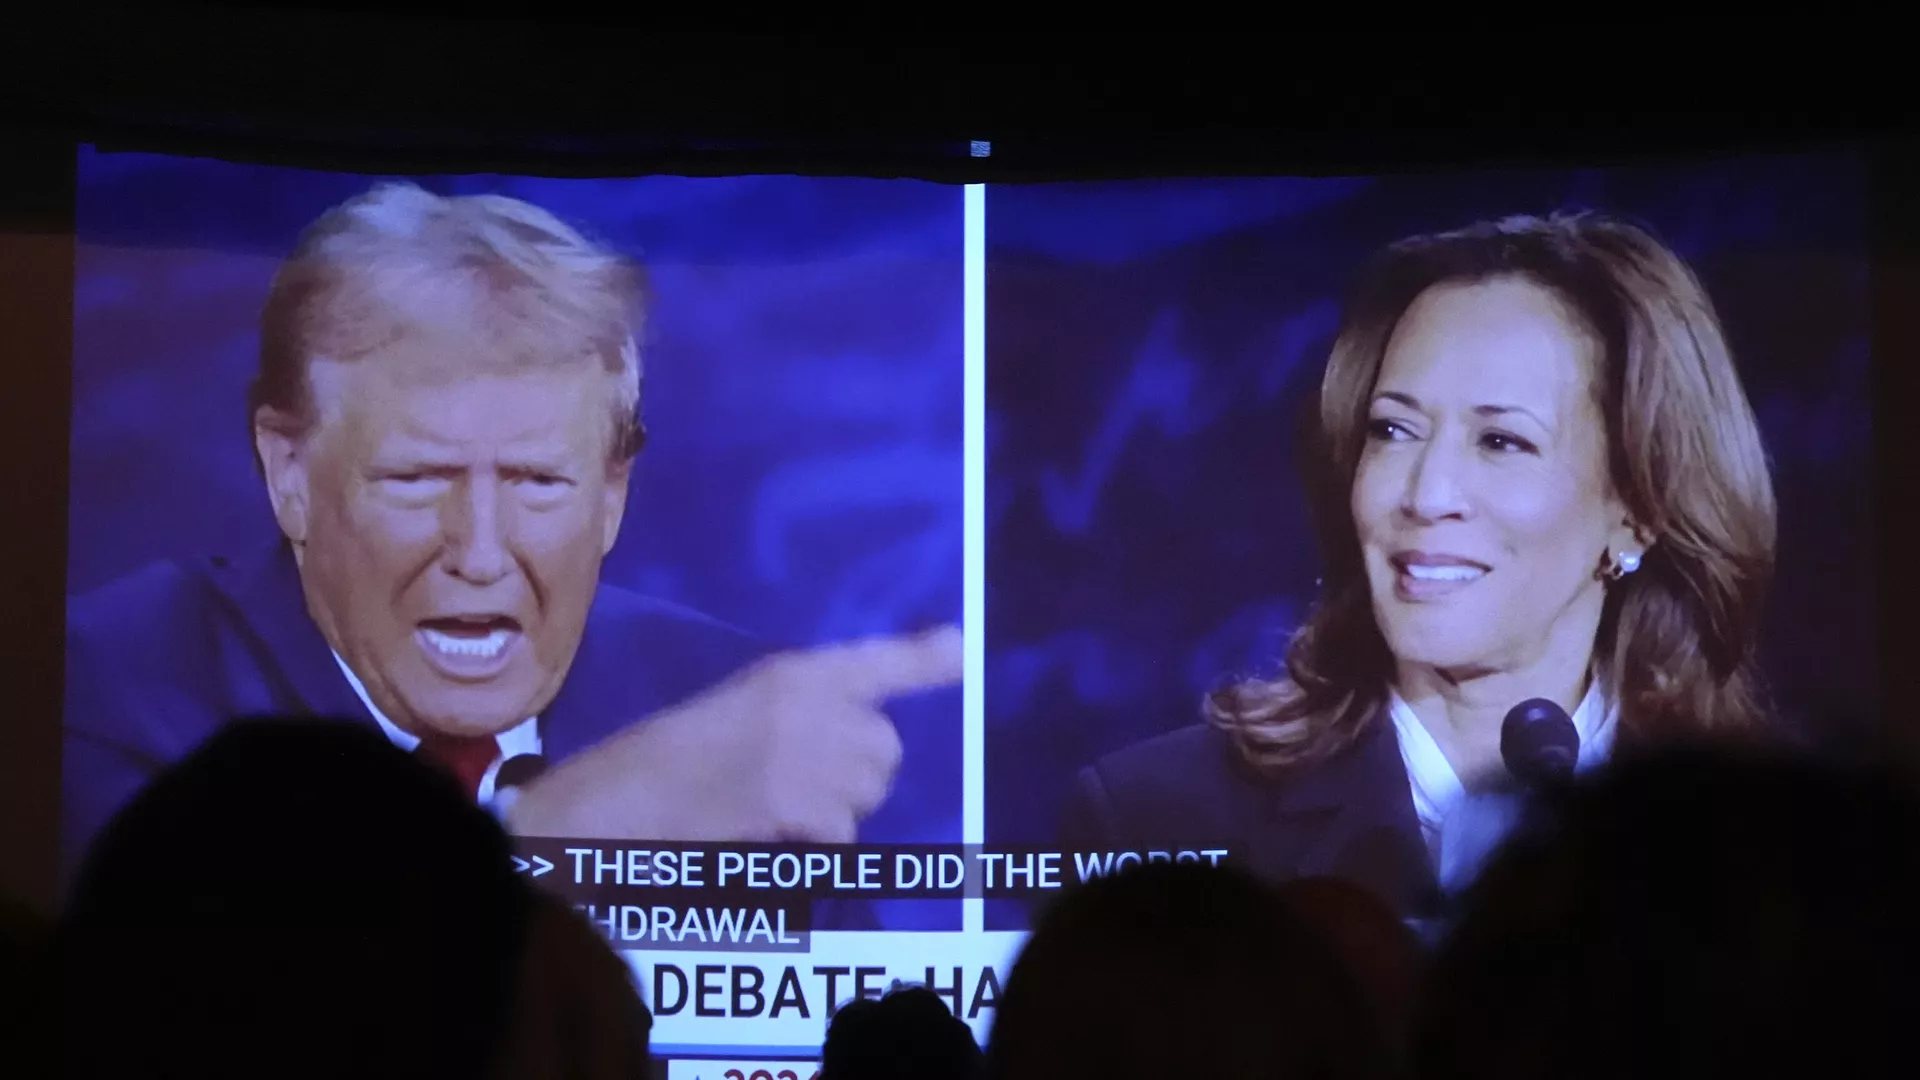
413, 450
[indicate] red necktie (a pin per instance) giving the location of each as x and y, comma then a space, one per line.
465, 758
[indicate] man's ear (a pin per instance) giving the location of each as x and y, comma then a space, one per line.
615, 507
283, 446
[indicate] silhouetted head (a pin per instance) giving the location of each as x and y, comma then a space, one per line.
1181, 970
578, 1013
294, 898
908, 1033
1693, 915
1383, 954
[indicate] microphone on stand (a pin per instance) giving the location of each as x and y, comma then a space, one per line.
1541, 750
1539, 744
1540, 747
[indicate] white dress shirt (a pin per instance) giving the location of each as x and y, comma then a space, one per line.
523, 738
1462, 829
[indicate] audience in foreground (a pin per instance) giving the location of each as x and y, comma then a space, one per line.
304, 899
1182, 970
1379, 951
1693, 915
909, 1033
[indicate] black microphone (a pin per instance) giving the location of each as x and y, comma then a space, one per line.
1539, 743
519, 771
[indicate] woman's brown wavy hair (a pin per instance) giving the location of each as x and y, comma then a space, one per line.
1676, 641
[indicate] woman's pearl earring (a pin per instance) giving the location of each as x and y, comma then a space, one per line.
1624, 563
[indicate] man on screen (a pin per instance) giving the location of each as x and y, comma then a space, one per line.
445, 416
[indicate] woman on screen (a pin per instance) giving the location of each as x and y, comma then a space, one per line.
1537, 476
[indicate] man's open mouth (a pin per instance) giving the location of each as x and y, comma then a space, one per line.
469, 638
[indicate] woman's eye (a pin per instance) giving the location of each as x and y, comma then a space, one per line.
1386, 430
1504, 443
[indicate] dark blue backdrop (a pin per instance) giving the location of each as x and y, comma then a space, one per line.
803, 397
1151, 346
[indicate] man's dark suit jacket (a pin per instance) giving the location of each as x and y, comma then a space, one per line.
159, 660
1350, 816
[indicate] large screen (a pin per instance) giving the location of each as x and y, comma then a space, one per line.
835, 569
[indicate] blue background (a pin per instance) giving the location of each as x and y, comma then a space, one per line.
1151, 346
803, 397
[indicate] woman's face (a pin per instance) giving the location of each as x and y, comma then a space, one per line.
1482, 499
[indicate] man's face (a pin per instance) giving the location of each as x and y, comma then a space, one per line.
450, 529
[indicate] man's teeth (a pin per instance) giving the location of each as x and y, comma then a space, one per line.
1443, 573
484, 647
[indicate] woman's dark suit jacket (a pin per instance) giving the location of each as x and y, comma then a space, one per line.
1350, 816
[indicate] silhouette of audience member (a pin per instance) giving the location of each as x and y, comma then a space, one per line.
1172, 970
1384, 956
302, 898
1691, 916
578, 1014
909, 1034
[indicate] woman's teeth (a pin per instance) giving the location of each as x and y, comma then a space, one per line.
1443, 573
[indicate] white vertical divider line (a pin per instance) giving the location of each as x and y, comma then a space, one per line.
973, 713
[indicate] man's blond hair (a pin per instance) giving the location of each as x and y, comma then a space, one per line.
513, 285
